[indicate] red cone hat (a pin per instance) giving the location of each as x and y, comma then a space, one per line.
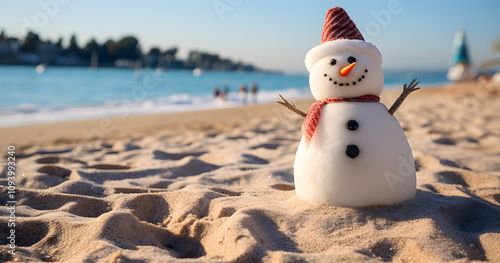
338, 25
340, 35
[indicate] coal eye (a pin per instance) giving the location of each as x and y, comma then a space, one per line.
333, 62
351, 59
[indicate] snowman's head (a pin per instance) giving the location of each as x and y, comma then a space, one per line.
345, 69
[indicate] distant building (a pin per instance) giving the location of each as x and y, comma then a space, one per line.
9, 47
48, 53
9, 50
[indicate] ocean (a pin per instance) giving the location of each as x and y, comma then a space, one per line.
53, 94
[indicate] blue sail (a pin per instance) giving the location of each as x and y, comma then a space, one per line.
460, 54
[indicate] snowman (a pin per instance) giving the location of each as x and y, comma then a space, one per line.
353, 151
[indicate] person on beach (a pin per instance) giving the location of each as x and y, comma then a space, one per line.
223, 93
216, 92
242, 94
254, 90
219, 96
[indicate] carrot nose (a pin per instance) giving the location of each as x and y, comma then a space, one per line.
345, 70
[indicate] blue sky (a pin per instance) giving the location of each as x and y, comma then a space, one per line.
269, 34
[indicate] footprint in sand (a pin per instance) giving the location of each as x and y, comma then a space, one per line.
55, 170
254, 159
426, 162
48, 160
74, 204
123, 230
38, 231
384, 249
46, 152
151, 208
283, 187
450, 141
57, 159
161, 155
89, 207
105, 166
445, 141
236, 137
450, 177
270, 146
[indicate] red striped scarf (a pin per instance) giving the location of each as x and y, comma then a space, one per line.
312, 118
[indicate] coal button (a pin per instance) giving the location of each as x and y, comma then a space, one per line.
352, 151
352, 125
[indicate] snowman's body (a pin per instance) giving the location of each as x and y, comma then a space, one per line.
383, 173
353, 152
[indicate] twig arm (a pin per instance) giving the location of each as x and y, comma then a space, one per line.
291, 106
406, 91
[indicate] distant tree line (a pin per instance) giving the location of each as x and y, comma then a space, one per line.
126, 52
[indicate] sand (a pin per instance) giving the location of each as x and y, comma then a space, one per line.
217, 186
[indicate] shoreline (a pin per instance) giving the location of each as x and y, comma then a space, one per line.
175, 103
105, 128
88, 130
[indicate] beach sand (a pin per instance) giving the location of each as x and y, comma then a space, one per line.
217, 186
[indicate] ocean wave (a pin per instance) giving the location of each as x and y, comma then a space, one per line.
32, 114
